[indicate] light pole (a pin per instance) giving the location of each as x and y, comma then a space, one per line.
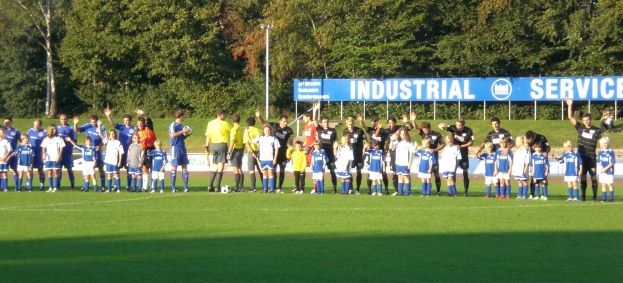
267, 27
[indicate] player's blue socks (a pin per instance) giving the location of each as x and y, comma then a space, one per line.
85, 185
153, 184
130, 181
576, 193
429, 187
173, 177
612, 195
162, 185
185, 178
508, 190
271, 184
29, 184
265, 184
109, 184
488, 191
348, 187
570, 192
545, 191
406, 189
400, 189
102, 180
603, 196
320, 187
497, 190
18, 185
344, 188
118, 183
42, 179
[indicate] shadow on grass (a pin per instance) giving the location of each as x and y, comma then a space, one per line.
490, 257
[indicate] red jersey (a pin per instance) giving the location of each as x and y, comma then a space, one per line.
310, 134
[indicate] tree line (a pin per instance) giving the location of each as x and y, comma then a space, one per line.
201, 55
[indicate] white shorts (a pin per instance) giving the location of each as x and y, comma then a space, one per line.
88, 168
448, 174
606, 179
343, 175
423, 175
571, 178
375, 176
317, 176
503, 176
157, 175
520, 178
491, 180
22, 168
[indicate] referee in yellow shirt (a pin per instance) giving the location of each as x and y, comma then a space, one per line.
217, 138
236, 151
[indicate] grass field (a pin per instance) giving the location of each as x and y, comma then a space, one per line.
555, 130
210, 237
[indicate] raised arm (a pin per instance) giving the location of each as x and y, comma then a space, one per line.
107, 113
570, 115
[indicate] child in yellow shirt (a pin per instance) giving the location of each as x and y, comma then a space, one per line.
299, 163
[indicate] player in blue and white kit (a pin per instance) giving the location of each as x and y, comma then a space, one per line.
5, 153
12, 135
539, 169
572, 166
269, 146
425, 167
125, 131
605, 166
376, 167
403, 150
503, 165
25, 154
448, 162
521, 166
51, 150
343, 162
112, 161
319, 162
65, 131
490, 160
36, 134
93, 130
158, 161
89, 153
179, 155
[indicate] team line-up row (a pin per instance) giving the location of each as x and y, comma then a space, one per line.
138, 150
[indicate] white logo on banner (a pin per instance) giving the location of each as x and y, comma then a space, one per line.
501, 89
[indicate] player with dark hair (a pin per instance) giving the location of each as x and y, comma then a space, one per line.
13, 136
355, 136
538, 140
125, 131
92, 130
588, 136
236, 152
282, 132
217, 138
36, 134
327, 137
435, 144
496, 134
179, 156
64, 131
379, 134
464, 138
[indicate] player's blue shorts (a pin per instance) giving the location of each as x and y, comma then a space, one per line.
4, 167
66, 159
447, 174
37, 161
51, 165
266, 164
13, 163
135, 170
402, 170
179, 156
110, 168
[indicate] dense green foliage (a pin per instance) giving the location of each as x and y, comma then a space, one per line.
201, 55
245, 237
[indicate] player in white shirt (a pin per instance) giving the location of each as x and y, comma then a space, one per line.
268, 145
344, 159
112, 161
51, 150
5, 152
404, 149
448, 161
521, 164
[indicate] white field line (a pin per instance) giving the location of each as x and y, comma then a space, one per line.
37, 206
53, 207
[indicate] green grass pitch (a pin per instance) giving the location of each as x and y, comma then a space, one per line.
211, 237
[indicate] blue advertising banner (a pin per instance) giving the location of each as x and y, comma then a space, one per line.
460, 89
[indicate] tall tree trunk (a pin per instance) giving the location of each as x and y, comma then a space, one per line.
51, 99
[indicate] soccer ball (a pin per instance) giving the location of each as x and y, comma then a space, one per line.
225, 190
190, 131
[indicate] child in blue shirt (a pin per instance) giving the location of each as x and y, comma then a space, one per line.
158, 162
572, 166
319, 162
89, 157
539, 169
605, 169
376, 166
25, 157
425, 167
503, 165
488, 155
